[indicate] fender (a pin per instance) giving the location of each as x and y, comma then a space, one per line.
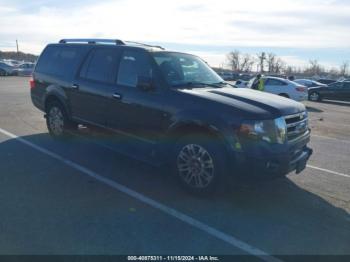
58, 93
203, 120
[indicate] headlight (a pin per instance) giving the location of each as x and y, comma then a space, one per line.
271, 131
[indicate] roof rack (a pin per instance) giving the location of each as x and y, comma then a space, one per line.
147, 45
93, 41
106, 41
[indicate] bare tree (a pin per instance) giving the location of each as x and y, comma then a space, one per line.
247, 63
344, 68
314, 68
289, 70
271, 62
279, 66
334, 71
233, 60
262, 58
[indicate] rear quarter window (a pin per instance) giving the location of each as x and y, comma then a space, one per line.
59, 61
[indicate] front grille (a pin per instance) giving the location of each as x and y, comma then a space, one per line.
297, 125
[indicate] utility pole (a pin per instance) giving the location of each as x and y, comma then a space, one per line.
17, 46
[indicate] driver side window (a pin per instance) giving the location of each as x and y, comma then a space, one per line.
133, 64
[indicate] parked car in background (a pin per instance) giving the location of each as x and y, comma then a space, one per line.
12, 62
309, 83
336, 91
25, 69
241, 84
326, 81
227, 76
245, 77
283, 87
6, 69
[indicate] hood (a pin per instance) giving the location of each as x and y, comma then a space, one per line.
251, 103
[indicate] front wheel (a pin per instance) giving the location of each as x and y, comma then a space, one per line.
199, 163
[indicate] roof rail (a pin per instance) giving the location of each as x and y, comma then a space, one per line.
147, 45
92, 41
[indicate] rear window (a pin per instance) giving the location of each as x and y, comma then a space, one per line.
58, 61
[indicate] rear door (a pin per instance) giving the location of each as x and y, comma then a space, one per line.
91, 90
275, 86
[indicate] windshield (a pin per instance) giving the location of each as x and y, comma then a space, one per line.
183, 69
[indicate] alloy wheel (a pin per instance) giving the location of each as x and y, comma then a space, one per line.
195, 166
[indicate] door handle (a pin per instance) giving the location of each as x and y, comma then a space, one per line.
117, 96
75, 86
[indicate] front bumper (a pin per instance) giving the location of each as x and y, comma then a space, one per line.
272, 162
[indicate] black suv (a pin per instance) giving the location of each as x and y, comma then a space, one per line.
173, 104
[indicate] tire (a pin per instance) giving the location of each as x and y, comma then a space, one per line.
315, 97
199, 163
57, 120
284, 95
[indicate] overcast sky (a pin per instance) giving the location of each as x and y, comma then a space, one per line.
296, 30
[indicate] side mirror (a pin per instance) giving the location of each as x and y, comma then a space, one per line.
145, 83
238, 82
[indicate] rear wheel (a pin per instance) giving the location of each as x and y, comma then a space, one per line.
57, 120
314, 96
199, 163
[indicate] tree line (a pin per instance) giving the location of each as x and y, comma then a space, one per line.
18, 56
265, 62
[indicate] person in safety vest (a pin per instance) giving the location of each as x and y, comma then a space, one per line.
259, 83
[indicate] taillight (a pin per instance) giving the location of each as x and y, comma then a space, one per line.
300, 89
32, 83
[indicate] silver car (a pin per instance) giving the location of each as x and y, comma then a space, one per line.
24, 69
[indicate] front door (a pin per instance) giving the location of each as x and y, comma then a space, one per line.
343, 93
332, 91
133, 111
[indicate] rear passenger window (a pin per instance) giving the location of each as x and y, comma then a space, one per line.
132, 65
101, 65
274, 82
58, 61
